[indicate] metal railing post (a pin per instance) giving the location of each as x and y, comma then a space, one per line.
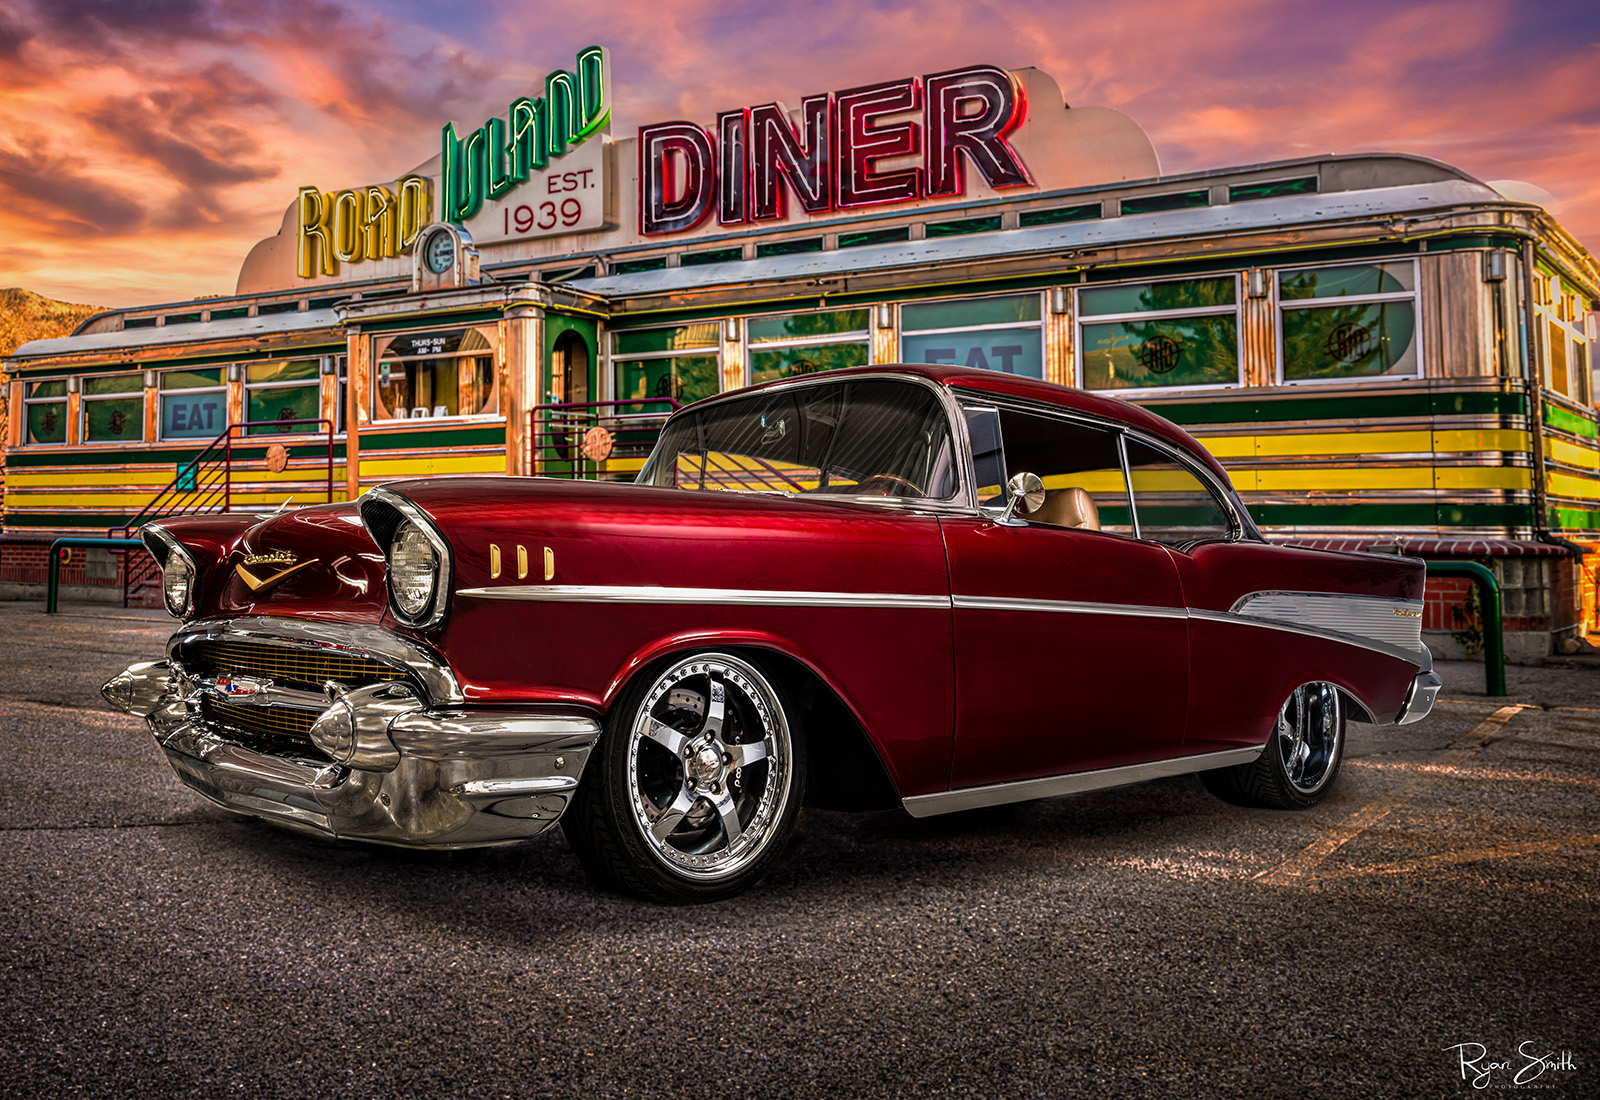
53, 584
1489, 605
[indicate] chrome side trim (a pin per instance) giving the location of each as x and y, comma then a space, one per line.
749, 597
1410, 656
972, 798
434, 675
536, 785
1075, 607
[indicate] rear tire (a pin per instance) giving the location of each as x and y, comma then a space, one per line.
694, 789
1301, 759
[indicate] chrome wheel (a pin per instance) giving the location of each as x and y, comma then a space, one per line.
710, 767
1309, 731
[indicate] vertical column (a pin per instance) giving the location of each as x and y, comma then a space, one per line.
1059, 365
520, 365
357, 400
885, 339
235, 378
733, 360
74, 411
152, 406
15, 411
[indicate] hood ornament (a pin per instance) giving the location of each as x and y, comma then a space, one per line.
261, 585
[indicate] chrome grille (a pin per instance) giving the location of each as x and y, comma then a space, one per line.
281, 731
287, 666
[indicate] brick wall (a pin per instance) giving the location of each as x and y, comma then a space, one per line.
29, 563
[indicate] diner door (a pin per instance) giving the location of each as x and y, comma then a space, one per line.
1071, 638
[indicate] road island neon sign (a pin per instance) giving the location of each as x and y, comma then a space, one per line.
757, 158
371, 223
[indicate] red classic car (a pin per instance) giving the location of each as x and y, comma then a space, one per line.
936, 588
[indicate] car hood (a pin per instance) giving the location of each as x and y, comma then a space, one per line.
312, 561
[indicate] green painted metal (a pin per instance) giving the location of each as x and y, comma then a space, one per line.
59, 545
1494, 647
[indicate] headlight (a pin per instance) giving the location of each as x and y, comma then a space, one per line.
413, 570
177, 584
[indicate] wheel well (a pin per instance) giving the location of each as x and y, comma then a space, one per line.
845, 770
1356, 708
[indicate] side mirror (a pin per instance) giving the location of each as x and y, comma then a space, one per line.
1027, 496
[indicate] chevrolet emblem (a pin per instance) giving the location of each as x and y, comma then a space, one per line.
264, 584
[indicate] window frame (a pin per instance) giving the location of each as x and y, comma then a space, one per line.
64, 401
613, 360
85, 398
1279, 307
1552, 306
901, 332
862, 337
311, 383
491, 353
162, 394
1236, 310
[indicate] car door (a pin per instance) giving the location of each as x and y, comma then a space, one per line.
1071, 648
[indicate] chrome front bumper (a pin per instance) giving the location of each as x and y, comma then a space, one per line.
421, 774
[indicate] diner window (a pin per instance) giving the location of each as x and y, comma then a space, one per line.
113, 409
807, 343
45, 406
1174, 504
1564, 326
1355, 321
194, 404
1152, 336
1001, 333
683, 363
449, 372
283, 392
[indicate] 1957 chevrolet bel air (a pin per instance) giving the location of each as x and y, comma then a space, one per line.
929, 587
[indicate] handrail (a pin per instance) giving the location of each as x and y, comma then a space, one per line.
1489, 605
53, 585
558, 426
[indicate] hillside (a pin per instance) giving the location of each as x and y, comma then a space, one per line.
26, 316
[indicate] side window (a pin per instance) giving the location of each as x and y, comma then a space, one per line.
1079, 464
1175, 506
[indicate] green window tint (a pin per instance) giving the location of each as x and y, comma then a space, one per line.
645, 341
768, 366
957, 229
194, 415
875, 236
190, 379
1244, 192
1347, 282
47, 422
1153, 204
1357, 340
1153, 297
117, 420
1085, 212
711, 256
295, 370
633, 267
801, 326
683, 377
1012, 350
789, 248
57, 388
114, 383
284, 403
1177, 351
968, 312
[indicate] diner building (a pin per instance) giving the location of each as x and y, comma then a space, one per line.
1385, 352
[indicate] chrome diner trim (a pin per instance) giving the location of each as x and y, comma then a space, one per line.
996, 794
749, 597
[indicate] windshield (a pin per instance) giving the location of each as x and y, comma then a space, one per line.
880, 438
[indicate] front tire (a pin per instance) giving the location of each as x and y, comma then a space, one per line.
1301, 758
697, 783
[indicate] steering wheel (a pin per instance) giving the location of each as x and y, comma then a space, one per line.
890, 482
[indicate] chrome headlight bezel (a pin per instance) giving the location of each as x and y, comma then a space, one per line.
175, 561
406, 516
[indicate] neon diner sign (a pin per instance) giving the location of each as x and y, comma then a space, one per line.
757, 158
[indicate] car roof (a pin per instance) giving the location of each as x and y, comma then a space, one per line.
977, 381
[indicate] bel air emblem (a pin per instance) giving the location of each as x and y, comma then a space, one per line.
277, 557
239, 686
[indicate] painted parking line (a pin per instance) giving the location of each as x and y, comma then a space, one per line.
1297, 867
1469, 855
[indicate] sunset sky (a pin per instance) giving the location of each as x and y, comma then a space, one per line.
145, 145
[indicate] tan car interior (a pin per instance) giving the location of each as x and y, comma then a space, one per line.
1072, 507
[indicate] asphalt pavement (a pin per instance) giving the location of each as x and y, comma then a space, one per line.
1145, 941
